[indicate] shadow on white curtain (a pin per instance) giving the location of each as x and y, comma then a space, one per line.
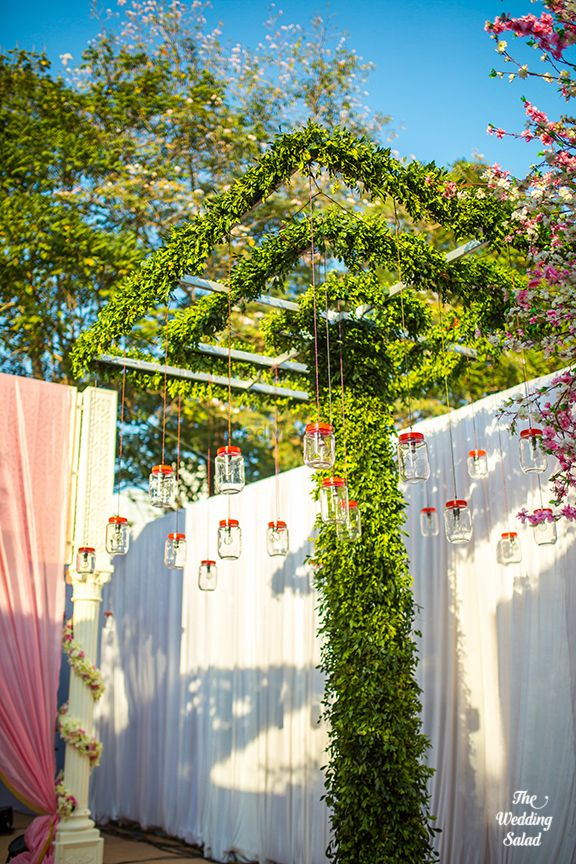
211, 719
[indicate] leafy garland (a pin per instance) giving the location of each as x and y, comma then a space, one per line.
376, 780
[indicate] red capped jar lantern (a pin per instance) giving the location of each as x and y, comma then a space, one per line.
207, 575
354, 523
162, 486
86, 560
229, 470
532, 456
457, 521
229, 539
277, 539
334, 500
117, 535
319, 445
175, 551
429, 526
509, 551
477, 463
545, 530
413, 464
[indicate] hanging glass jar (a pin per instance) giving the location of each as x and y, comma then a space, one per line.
429, 526
175, 551
334, 500
477, 463
413, 464
457, 521
117, 535
509, 551
277, 539
319, 445
545, 531
162, 486
207, 575
354, 523
532, 456
229, 470
86, 560
229, 539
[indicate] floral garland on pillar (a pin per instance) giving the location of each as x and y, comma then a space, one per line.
71, 729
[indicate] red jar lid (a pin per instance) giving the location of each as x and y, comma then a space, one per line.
162, 469
229, 450
411, 436
333, 481
228, 523
543, 510
508, 535
531, 432
456, 503
428, 509
117, 520
352, 503
208, 563
319, 428
277, 524
176, 536
476, 453
91, 548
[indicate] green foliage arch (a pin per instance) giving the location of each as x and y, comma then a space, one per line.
377, 777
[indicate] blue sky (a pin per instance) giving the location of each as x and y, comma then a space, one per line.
432, 63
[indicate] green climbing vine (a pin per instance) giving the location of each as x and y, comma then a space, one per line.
377, 777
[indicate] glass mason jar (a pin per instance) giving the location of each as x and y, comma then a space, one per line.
457, 521
319, 445
509, 551
207, 575
86, 559
532, 456
229, 470
277, 539
334, 500
175, 551
229, 539
413, 464
477, 463
162, 486
545, 532
117, 535
354, 523
429, 526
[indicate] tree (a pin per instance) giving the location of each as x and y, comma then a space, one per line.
97, 169
543, 315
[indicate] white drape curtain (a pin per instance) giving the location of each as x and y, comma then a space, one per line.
210, 721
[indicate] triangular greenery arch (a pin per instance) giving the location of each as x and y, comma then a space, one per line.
376, 777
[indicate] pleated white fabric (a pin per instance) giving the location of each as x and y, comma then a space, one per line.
211, 718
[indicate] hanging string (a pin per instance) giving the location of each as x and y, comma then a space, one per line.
328, 339
341, 353
312, 256
276, 454
178, 409
229, 341
121, 434
504, 483
165, 385
399, 272
447, 396
208, 474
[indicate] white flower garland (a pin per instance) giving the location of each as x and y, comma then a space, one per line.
72, 732
85, 670
66, 803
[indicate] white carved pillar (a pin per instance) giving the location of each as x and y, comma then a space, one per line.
77, 840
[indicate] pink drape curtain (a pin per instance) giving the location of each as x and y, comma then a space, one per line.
35, 425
